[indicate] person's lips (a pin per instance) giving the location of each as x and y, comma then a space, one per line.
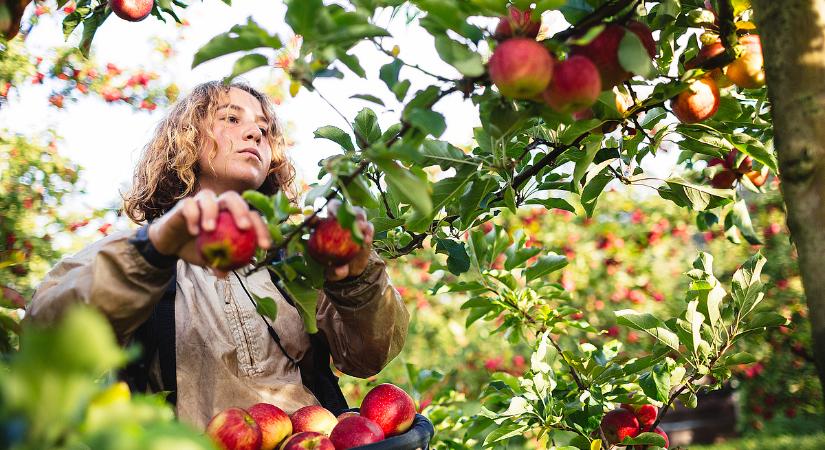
252, 151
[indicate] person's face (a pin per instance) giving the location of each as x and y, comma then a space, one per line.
243, 156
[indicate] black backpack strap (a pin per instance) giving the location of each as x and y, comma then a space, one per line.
156, 337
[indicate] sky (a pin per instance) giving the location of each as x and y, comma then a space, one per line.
106, 140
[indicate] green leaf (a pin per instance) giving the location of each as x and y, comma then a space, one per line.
444, 192
646, 438
369, 98
442, 153
266, 307
649, 324
749, 145
504, 431
90, 26
552, 203
238, 38
517, 255
414, 190
367, 130
746, 287
260, 202
306, 300
697, 197
458, 261
546, 264
739, 358
389, 73
246, 63
765, 319
634, 57
302, 16
336, 135
742, 220
590, 193
459, 56
656, 383
428, 121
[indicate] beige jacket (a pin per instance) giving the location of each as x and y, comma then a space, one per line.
224, 354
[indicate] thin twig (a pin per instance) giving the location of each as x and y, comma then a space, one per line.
413, 66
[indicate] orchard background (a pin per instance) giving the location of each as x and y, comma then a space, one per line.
555, 264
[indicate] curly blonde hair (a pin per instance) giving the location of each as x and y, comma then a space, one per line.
168, 168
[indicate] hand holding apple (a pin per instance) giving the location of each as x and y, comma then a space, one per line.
333, 246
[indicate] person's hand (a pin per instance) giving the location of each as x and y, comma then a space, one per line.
359, 263
175, 232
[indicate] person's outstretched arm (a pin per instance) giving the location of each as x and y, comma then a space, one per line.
364, 319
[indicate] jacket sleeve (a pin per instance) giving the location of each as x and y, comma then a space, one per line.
364, 319
110, 275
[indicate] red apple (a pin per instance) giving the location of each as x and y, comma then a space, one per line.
619, 424
314, 418
308, 440
604, 51
705, 53
747, 71
517, 23
698, 102
131, 10
355, 431
658, 431
646, 414
757, 177
331, 244
744, 166
723, 179
521, 68
274, 423
234, 429
227, 247
390, 407
575, 85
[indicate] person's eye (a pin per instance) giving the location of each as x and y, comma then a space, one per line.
232, 119
264, 131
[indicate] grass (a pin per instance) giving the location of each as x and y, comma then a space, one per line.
803, 433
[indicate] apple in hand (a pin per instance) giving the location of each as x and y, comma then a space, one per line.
390, 407
308, 440
314, 418
274, 423
227, 247
331, 244
520, 68
619, 424
575, 85
131, 10
234, 429
355, 431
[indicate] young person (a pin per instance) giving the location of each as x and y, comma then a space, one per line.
215, 143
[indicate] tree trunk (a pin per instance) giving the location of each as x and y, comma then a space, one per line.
793, 44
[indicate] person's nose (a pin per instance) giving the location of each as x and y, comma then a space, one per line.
253, 133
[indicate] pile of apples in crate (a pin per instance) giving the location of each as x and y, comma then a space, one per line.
386, 411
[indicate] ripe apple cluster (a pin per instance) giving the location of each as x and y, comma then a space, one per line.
628, 421
386, 411
730, 171
700, 100
523, 68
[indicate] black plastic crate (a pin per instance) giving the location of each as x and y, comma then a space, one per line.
416, 438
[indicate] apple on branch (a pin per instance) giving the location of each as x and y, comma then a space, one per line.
131, 10
521, 68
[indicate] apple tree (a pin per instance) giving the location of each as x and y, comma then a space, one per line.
564, 114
